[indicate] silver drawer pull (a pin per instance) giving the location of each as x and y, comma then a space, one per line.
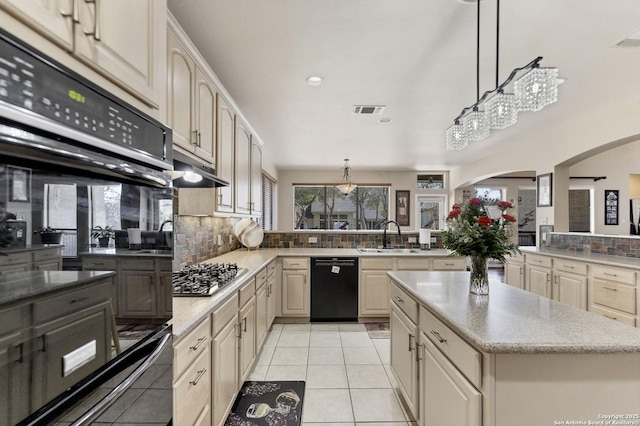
440, 339
198, 343
613, 318
609, 275
399, 299
410, 339
609, 288
82, 299
568, 266
198, 377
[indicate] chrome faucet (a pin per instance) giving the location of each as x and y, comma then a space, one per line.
164, 239
384, 235
164, 223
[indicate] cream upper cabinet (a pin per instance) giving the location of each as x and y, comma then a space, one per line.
225, 165
256, 178
54, 19
119, 39
191, 99
243, 169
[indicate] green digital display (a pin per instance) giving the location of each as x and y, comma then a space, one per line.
76, 96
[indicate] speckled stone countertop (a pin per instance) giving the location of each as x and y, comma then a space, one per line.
511, 320
602, 259
17, 286
190, 311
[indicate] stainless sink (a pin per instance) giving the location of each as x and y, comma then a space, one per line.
388, 250
152, 252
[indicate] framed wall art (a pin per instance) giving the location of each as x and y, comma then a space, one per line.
543, 187
611, 199
402, 208
19, 185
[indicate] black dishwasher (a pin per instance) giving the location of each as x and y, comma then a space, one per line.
334, 289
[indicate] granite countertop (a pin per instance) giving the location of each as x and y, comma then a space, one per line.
17, 286
511, 320
602, 259
110, 251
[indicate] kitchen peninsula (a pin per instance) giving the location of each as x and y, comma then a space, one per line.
512, 357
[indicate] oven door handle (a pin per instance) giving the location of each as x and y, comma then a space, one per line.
105, 402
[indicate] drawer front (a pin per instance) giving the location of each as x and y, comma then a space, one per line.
247, 291
570, 266
271, 268
15, 258
295, 262
192, 391
544, 261
138, 264
89, 264
191, 346
518, 257
414, 263
71, 301
404, 302
608, 273
376, 263
261, 278
616, 316
46, 254
14, 319
451, 264
224, 313
614, 295
464, 356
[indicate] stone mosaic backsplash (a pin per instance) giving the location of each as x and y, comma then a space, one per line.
198, 238
610, 245
341, 239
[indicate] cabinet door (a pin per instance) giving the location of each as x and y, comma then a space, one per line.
262, 315
180, 78
514, 275
374, 293
48, 265
256, 179
120, 39
14, 378
192, 392
247, 325
447, 398
225, 370
243, 171
570, 289
137, 294
205, 118
225, 161
165, 295
295, 293
51, 18
403, 357
272, 301
61, 337
539, 281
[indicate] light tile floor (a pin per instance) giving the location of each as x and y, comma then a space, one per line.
348, 380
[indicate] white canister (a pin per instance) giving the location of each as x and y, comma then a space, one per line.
425, 239
135, 238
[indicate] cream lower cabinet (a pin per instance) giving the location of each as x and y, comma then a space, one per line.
404, 361
272, 293
538, 275
446, 396
514, 271
247, 337
14, 366
192, 370
615, 294
374, 286
570, 282
262, 307
295, 287
224, 359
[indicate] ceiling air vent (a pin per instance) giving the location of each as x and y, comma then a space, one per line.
368, 109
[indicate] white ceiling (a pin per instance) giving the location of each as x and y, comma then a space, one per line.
417, 57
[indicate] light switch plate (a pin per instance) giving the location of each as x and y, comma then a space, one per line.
313, 240
219, 240
412, 239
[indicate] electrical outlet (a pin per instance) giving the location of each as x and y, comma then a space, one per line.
313, 240
219, 240
412, 239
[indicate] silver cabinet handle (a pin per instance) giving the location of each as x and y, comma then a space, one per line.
568, 266
82, 299
198, 377
437, 335
410, 339
73, 14
609, 288
244, 324
96, 20
609, 275
198, 343
613, 318
418, 347
399, 299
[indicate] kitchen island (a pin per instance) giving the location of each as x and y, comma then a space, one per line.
508, 358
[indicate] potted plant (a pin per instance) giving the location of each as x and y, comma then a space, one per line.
103, 234
49, 235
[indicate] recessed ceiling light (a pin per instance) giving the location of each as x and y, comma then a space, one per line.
314, 80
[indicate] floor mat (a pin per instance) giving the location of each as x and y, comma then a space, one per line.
268, 404
378, 330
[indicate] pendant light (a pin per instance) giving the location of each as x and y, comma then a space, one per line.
346, 187
536, 89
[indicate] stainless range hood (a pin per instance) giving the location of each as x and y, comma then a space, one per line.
193, 174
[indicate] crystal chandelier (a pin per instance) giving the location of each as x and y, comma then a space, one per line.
534, 89
346, 187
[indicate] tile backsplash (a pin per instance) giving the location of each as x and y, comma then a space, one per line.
341, 239
198, 238
612, 245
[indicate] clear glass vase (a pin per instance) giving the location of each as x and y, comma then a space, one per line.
479, 279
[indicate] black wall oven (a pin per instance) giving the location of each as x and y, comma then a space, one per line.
75, 158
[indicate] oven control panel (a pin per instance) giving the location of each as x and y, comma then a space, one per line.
33, 82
